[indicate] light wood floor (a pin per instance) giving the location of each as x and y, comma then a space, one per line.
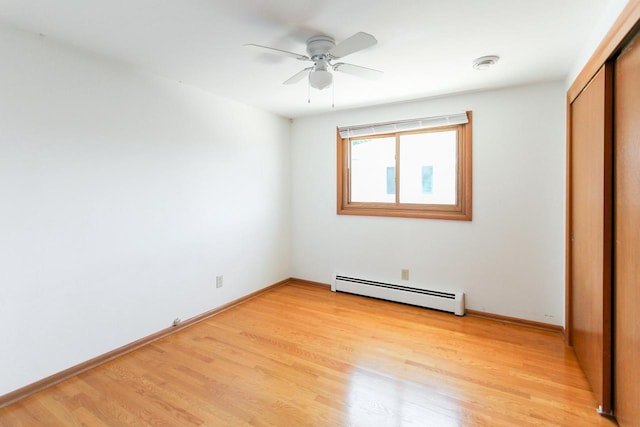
302, 355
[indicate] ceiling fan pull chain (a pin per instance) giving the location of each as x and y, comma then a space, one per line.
308, 92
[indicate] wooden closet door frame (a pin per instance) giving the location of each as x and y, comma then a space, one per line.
627, 24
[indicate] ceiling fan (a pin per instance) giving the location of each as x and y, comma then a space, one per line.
322, 51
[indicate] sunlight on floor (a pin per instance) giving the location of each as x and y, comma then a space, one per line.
378, 399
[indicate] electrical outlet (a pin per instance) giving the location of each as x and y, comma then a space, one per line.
219, 282
404, 274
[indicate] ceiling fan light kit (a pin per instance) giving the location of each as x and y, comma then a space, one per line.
322, 50
320, 78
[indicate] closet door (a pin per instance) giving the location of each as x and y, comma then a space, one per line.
590, 232
627, 237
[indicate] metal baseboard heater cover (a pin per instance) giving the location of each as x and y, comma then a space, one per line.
452, 302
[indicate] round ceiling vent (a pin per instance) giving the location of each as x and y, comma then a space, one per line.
485, 62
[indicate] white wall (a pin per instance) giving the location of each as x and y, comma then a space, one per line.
509, 259
122, 196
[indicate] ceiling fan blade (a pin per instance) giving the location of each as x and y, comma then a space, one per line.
297, 76
356, 42
356, 70
280, 52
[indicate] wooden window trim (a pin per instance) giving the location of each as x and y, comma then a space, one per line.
461, 211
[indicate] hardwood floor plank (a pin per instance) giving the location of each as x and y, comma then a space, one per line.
302, 355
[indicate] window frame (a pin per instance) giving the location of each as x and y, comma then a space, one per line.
461, 210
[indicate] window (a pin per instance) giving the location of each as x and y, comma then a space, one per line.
418, 168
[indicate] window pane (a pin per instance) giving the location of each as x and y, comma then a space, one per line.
428, 168
370, 163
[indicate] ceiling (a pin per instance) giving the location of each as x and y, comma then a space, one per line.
425, 47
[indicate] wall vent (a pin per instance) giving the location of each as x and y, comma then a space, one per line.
452, 302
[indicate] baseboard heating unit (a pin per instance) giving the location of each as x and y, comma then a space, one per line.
446, 301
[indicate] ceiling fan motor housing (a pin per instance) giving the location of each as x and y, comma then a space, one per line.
318, 46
